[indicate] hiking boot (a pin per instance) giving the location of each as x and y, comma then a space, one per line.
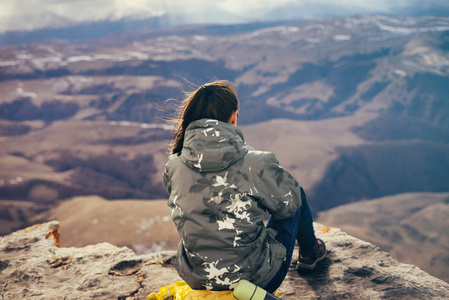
317, 255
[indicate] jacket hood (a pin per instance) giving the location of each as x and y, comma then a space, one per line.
212, 146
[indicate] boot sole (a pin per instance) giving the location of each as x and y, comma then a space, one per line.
300, 265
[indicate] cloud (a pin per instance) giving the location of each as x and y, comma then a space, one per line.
249, 6
6, 8
77, 10
26, 14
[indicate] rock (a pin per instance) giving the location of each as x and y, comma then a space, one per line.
32, 266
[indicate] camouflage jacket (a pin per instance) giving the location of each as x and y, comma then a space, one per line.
219, 193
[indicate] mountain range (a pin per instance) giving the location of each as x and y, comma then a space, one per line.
70, 19
355, 108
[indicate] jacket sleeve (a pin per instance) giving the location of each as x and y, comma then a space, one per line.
278, 190
166, 179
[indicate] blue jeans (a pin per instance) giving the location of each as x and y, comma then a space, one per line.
297, 228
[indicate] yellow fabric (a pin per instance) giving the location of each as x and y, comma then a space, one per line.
210, 295
181, 291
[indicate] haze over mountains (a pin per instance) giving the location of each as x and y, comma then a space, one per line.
355, 108
119, 15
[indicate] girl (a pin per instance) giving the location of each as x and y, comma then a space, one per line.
220, 189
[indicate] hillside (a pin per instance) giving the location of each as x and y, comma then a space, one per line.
412, 227
143, 226
59, 96
76, 160
388, 168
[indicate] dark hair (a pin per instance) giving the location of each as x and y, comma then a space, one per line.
216, 100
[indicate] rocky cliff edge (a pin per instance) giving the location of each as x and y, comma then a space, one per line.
32, 266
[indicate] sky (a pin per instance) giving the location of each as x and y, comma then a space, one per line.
35, 14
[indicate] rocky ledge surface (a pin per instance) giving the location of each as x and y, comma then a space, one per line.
32, 266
